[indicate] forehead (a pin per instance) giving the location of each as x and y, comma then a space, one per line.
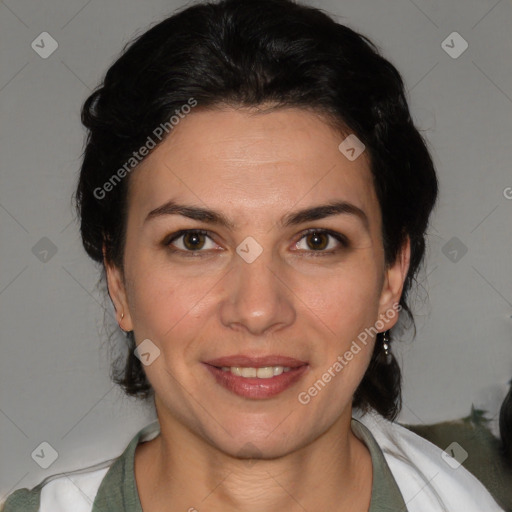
252, 165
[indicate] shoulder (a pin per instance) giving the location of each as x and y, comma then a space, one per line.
429, 477
72, 491
78, 491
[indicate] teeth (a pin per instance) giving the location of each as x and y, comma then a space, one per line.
265, 372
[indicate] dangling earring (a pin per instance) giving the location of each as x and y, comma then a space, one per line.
385, 342
386, 346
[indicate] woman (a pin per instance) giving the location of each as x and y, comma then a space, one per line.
258, 196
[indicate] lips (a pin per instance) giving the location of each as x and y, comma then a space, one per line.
256, 361
230, 372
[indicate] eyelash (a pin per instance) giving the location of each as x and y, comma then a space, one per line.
343, 241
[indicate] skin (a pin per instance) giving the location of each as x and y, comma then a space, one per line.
254, 168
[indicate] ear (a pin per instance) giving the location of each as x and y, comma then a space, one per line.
117, 293
393, 285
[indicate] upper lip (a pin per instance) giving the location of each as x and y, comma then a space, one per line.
256, 361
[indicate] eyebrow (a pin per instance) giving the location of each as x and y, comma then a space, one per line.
291, 219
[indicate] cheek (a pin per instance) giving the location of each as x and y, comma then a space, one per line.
343, 301
167, 305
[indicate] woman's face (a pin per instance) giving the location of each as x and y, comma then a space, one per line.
252, 283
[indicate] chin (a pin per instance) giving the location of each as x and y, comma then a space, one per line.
271, 441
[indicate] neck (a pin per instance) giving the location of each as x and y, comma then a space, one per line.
179, 470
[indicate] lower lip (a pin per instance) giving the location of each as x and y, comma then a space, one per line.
252, 387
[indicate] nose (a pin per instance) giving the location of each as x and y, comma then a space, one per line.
257, 299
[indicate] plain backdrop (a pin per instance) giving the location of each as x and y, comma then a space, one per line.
54, 378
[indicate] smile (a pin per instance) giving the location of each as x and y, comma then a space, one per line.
265, 372
256, 382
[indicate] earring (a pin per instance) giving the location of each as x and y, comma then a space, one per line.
385, 343
386, 346
122, 316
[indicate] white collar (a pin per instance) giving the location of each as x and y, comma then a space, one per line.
427, 482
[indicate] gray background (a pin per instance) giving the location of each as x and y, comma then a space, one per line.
54, 369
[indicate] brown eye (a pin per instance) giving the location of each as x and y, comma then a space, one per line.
317, 241
322, 241
193, 240
190, 241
